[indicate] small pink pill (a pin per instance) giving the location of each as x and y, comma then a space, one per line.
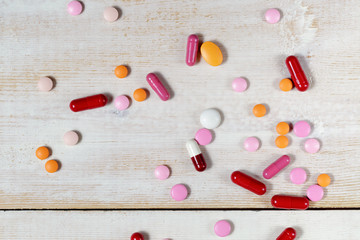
251, 144
312, 145
122, 102
272, 15
315, 193
222, 228
302, 129
276, 167
111, 14
74, 8
157, 86
71, 138
298, 176
162, 172
192, 49
45, 84
239, 84
179, 192
203, 136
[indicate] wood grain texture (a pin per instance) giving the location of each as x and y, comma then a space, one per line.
112, 166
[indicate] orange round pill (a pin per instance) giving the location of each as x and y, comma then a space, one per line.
282, 141
286, 84
259, 110
42, 153
51, 166
121, 71
140, 94
323, 180
282, 128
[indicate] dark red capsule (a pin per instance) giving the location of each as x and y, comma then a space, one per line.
137, 236
289, 202
248, 183
90, 102
297, 74
287, 234
196, 155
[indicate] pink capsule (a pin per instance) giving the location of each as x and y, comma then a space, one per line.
157, 86
276, 167
192, 50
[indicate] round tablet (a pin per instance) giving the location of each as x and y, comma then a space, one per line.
42, 153
210, 118
298, 176
312, 145
121, 71
111, 14
272, 15
302, 129
203, 136
162, 172
259, 110
324, 180
179, 192
71, 138
286, 85
282, 128
74, 8
121, 102
315, 193
51, 166
222, 228
282, 141
140, 95
251, 144
239, 84
137, 236
45, 84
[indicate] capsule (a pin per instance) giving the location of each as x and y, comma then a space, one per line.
86, 103
192, 50
276, 167
287, 234
248, 183
196, 155
289, 202
157, 86
297, 73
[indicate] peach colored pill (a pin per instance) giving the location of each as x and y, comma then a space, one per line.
121, 71
111, 14
42, 153
282, 128
51, 166
259, 110
282, 141
140, 94
211, 53
45, 84
324, 180
286, 85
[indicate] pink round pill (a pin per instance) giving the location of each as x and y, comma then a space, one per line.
45, 84
122, 102
312, 145
239, 84
298, 176
251, 144
315, 193
111, 14
162, 172
222, 228
71, 138
272, 15
179, 192
74, 8
203, 136
302, 129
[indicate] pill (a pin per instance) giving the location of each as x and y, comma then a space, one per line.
239, 84
121, 71
315, 193
162, 172
222, 228
272, 15
210, 118
157, 86
211, 53
71, 138
51, 166
251, 144
137, 236
324, 180
312, 145
302, 129
45, 84
276, 167
203, 136
121, 102
179, 192
87, 103
192, 49
140, 94
111, 14
282, 128
282, 141
289, 202
286, 84
287, 234
195, 154
259, 110
297, 74
42, 153
248, 183
74, 8
298, 176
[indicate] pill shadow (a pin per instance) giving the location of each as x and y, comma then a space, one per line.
145, 235
59, 164
109, 98
299, 231
119, 11
188, 190
201, 41
83, 6
232, 226
208, 160
53, 80
223, 50
79, 134
166, 84
129, 69
50, 150
307, 71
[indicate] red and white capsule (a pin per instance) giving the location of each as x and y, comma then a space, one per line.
297, 74
276, 167
196, 156
192, 49
248, 183
287, 234
289, 202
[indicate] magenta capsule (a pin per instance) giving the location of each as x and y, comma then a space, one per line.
297, 74
287, 234
276, 167
157, 86
196, 155
86, 103
248, 183
289, 202
192, 49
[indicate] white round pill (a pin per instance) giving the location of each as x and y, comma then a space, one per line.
71, 138
210, 118
45, 84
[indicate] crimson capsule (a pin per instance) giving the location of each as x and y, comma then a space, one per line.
248, 182
287, 234
196, 155
137, 236
289, 202
86, 103
297, 74
192, 49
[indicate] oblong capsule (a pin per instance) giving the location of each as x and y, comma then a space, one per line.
157, 86
248, 182
297, 74
196, 156
192, 49
287, 234
276, 167
86, 103
289, 202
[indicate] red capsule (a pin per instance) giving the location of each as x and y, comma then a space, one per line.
90, 102
137, 236
287, 234
192, 49
297, 74
248, 183
289, 202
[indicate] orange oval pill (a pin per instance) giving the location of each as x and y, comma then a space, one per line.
282, 128
51, 166
42, 153
282, 141
140, 95
324, 180
259, 110
286, 84
121, 71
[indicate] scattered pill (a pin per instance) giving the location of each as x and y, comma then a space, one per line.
192, 49
259, 110
286, 85
45, 84
211, 53
210, 118
137, 236
324, 180
289, 202
302, 129
51, 166
87, 103
248, 183
140, 94
272, 15
312, 145
298, 176
282, 141
196, 156
179, 192
222, 228
282, 128
162, 172
297, 74
287, 234
276, 167
121, 71
42, 153
239, 84
251, 144
121, 102
71, 138
157, 86
111, 14
74, 8
315, 193
203, 136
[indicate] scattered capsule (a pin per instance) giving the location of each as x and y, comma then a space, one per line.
287, 234
248, 183
297, 73
276, 167
87, 103
211, 53
137, 236
192, 49
289, 202
196, 155
157, 86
